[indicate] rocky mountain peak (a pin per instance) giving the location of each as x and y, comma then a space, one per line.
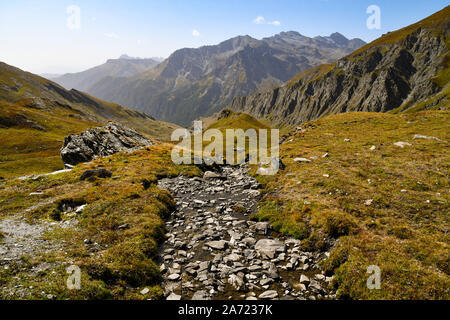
196, 82
339, 39
127, 57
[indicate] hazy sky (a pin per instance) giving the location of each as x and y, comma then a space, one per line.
43, 36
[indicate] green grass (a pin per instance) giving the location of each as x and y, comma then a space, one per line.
125, 260
404, 228
36, 115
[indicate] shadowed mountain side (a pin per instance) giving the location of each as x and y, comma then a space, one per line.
406, 70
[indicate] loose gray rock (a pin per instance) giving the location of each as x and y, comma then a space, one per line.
145, 291
304, 279
173, 296
419, 136
200, 295
218, 245
174, 277
269, 248
213, 175
263, 227
301, 160
402, 144
269, 294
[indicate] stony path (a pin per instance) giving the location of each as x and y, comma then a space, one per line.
21, 238
213, 251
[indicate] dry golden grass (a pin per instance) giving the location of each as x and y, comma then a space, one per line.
388, 207
125, 257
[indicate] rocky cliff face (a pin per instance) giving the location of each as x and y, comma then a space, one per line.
100, 142
403, 70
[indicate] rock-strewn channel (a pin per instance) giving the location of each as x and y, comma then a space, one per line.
214, 251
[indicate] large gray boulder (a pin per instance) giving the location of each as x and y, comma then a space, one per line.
101, 142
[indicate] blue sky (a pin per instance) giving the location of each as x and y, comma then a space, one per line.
35, 35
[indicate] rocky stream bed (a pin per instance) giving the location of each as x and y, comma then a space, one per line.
214, 251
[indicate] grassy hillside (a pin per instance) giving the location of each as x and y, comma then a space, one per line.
36, 114
31, 138
236, 120
436, 20
119, 261
369, 201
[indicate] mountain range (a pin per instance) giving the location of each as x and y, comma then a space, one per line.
125, 66
406, 70
354, 190
198, 82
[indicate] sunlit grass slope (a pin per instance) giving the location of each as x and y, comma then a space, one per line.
123, 220
388, 206
36, 114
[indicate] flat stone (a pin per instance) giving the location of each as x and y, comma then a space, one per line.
145, 291
304, 279
269, 294
419, 136
218, 245
232, 257
205, 265
174, 277
213, 175
266, 281
301, 160
402, 144
173, 296
236, 281
263, 227
249, 241
200, 295
269, 248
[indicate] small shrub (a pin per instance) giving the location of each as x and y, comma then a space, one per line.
339, 224
239, 209
55, 215
338, 256
402, 232
315, 242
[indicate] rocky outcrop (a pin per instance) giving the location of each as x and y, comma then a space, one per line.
399, 71
101, 142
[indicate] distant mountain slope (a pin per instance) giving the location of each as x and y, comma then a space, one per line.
198, 82
36, 114
405, 70
125, 66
